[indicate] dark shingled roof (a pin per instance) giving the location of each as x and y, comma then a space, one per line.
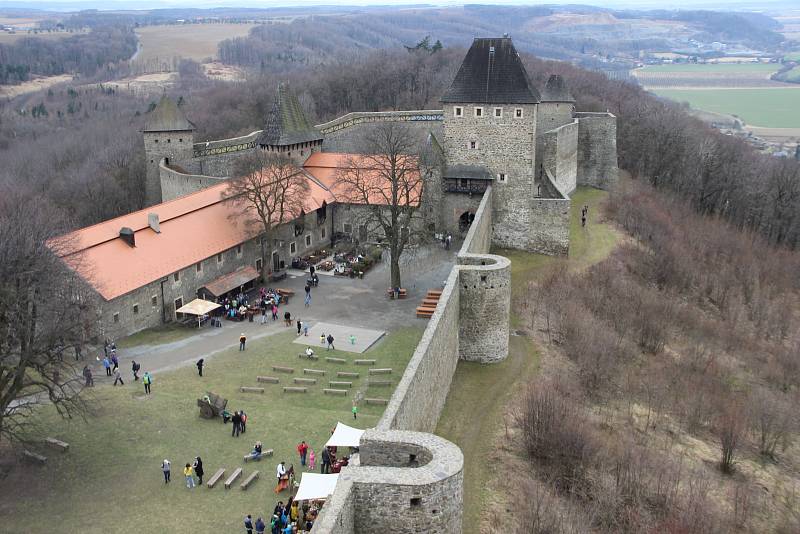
286, 123
556, 90
492, 73
471, 172
166, 117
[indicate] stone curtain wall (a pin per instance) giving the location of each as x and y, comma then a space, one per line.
550, 232
349, 132
559, 157
175, 184
403, 482
597, 150
176, 146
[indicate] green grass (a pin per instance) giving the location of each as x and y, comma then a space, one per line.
473, 413
773, 108
159, 335
792, 56
110, 480
713, 68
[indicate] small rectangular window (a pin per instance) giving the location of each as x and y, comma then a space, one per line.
258, 264
458, 111
116, 317
239, 250
178, 304
479, 112
219, 258
136, 309
348, 228
518, 113
292, 248
473, 145
177, 276
416, 502
498, 112
199, 267
308, 240
323, 232
501, 177
154, 301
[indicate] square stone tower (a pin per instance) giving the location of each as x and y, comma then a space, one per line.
168, 138
490, 121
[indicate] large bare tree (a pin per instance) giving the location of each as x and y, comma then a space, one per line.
270, 190
389, 181
46, 312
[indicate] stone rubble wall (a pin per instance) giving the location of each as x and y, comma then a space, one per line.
597, 150
550, 228
349, 133
175, 184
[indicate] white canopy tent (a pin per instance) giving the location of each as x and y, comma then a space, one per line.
198, 307
315, 486
345, 436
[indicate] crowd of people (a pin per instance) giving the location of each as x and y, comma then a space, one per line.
288, 518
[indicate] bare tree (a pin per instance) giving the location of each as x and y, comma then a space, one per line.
45, 311
730, 431
270, 190
772, 421
389, 181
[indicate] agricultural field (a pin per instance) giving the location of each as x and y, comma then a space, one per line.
768, 107
190, 41
10, 38
720, 75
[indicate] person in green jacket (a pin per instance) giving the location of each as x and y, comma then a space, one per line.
147, 379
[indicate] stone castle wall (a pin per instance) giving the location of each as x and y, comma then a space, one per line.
559, 160
158, 147
597, 149
550, 228
176, 184
349, 133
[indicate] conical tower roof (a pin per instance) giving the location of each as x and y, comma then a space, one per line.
286, 123
492, 73
556, 90
167, 117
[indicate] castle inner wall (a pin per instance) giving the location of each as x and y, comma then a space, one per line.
597, 150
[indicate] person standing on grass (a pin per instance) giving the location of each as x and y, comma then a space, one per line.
165, 467
198, 470
187, 472
260, 526
118, 377
135, 370
326, 461
237, 421
200, 364
312, 459
147, 380
302, 449
107, 366
243, 422
355, 410
242, 341
330, 342
87, 374
248, 524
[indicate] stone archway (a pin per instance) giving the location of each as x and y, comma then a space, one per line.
465, 220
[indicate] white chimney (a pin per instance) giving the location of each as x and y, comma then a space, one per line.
152, 220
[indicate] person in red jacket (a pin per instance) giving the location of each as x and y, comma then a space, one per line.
302, 449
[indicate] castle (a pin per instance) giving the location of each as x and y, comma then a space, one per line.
511, 156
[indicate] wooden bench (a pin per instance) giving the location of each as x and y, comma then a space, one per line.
279, 369
292, 389
307, 381
378, 383
364, 362
247, 389
268, 379
314, 372
425, 312
214, 479
429, 303
231, 479
346, 374
34, 457
57, 444
434, 293
376, 401
335, 360
249, 480
401, 294
335, 384
330, 391
386, 371
251, 456
306, 356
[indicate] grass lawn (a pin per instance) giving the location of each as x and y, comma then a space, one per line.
711, 68
473, 413
774, 107
158, 335
110, 479
192, 41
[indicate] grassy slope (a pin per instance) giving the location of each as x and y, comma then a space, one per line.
473, 414
775, 108
110, 480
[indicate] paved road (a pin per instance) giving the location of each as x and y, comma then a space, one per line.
337, 300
